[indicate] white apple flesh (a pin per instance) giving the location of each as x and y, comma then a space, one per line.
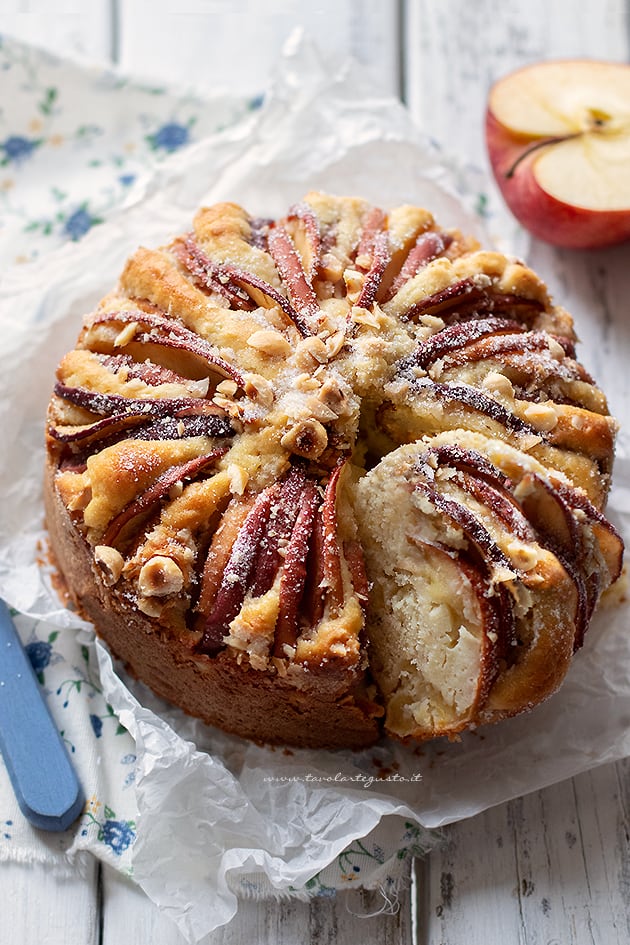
558, 138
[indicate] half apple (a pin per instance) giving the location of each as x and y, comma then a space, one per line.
558, 138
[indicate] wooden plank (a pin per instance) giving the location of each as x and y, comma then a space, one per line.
69, 27
549, 867
129, 916
467, 887
39, 906
210, 44
455, 50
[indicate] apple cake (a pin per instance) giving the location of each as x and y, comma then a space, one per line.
338, 474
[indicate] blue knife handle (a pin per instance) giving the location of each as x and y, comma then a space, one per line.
44, 781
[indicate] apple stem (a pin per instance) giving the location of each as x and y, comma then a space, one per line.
536, 147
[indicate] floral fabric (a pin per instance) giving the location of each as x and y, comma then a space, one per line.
73, 141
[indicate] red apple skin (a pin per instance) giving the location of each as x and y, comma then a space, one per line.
545, 217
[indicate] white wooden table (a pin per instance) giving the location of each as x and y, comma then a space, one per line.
550, 868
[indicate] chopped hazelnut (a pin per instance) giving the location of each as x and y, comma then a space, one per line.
270, 342
335, 343
259, 389
433, 322
150, 606
159, 577
555, 349
333, 397
310, 353
498, 383
524, 557
176, 490
80, 499
280, 665
331, 267
307, 438
228, 388
362, 316
354, 283
542, 416
306, 382
320, 410
110, 562
238, 478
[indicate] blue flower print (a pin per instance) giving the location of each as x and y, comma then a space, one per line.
39, 654
97, 725
42, 655
17, 149
127, 179
118, 834
169, 137
256, 102
78, 224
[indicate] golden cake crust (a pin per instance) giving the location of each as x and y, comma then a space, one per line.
340, 473
264, 708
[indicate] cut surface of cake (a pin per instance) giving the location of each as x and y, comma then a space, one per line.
338, 474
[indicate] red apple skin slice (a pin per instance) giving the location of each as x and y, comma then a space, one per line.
500, 503
542, 515
236, 576
259, 229
93, 432
303, 213
607, 536
472, 397
293, 580
208, 275
78, 446
374, 224
147, 371
552, 517
313, 600
473, 529
324, 586
463, 299
497, 622
219, 553
459, 336
170, 333
381, 255
229, 280
353, 554
281, 521
289, 265
331, 551
156, 492
106, 404
546, 217
427, 247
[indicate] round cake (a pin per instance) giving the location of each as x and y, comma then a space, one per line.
331, 476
